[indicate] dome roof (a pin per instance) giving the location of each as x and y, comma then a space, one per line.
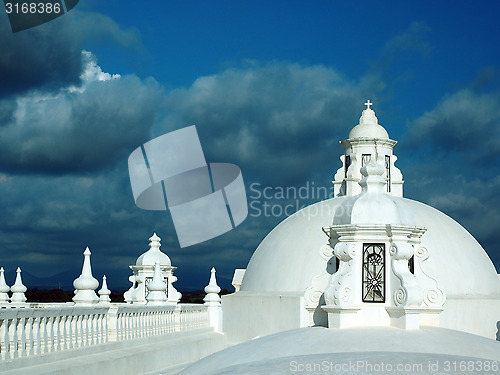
368, 127
288, 258
154, 253
281, 352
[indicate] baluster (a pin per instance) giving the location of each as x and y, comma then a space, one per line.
77, 331
98, 328
29, 335
85, 331
12, 338
22, 337
133, 322
51, 334
36, 335
45, 339
64, 332
126, 325
57, 332
4, 336
91, 325
71, 331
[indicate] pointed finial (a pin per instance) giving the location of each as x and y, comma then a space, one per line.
4, 288
212, 290
85, 285
104, 292
18, 289
157, 287
154, 242
368, 104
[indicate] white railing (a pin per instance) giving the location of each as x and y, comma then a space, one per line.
134, 321
35, 331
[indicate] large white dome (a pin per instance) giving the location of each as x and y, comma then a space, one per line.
288, 258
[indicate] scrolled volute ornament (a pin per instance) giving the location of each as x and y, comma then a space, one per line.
345, 251
400, 296
422, 253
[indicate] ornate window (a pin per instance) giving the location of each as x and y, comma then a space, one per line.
347, 164
388, 172
373, 272
365, 158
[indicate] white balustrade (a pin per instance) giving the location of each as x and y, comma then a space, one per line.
39, 330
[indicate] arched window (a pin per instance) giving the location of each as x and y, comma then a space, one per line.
365, 158
373, 272
388, 172
347, 164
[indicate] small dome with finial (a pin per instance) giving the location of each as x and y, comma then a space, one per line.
368, 126
149, 257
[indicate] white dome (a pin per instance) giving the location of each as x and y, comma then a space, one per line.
368, 127
288, 258
154, 253
281, 353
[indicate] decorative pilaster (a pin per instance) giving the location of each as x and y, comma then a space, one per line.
212, 301
342, 293
157, 288
18, 289
85, 285
104, 293
4, 289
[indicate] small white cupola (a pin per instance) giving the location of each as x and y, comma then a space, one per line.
144, 270
367, 140
379, 279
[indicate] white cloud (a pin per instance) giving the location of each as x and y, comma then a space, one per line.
79, 128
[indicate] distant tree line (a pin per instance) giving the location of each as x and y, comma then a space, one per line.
59, 295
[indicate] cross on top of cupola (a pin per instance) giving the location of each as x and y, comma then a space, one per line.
368, 104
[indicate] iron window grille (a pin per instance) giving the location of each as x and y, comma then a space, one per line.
373, 272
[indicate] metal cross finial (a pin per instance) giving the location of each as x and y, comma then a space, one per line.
368, 104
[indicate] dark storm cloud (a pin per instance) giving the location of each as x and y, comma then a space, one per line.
268, 117
80, 128
50, 55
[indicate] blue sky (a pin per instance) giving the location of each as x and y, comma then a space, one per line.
271, 86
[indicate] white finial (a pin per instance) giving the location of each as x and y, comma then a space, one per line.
157, 287
86, 284
212, 290
373, 180
18, 289
104, 292
154, 242
368, 104
4, 288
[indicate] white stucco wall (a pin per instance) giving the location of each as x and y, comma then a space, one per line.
474, 315
250, 315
